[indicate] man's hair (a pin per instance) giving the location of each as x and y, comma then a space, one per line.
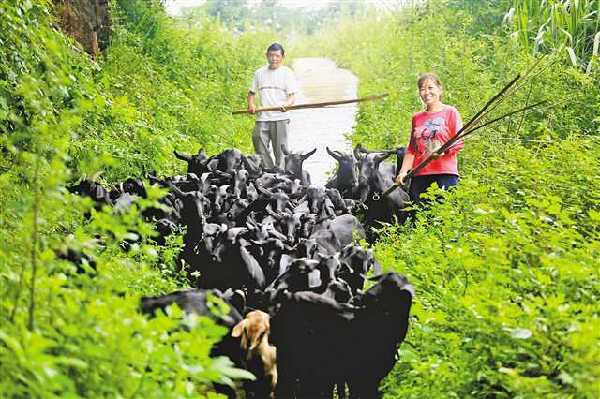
276, 47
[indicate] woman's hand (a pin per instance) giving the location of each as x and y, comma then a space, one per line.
434, 154
400, 179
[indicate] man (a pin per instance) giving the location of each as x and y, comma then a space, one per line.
276, 86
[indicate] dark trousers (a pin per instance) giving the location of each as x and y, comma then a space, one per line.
420, 184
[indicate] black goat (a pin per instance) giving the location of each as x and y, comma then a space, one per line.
316, 339
195, 301
293, 164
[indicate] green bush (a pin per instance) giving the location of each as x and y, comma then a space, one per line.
570, 27
62, 116
161, 87
507, 275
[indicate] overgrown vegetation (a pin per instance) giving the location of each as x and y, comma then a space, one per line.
506, 265
78, 333
507, 275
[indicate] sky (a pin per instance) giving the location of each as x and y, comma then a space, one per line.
174, 7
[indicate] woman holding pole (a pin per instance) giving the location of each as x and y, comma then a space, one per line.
430, 129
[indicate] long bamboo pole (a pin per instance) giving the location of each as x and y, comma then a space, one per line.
316, 105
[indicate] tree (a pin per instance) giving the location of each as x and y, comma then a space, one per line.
231, 12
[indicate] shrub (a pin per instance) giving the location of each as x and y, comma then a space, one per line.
70, 334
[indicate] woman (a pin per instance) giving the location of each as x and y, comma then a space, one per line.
430, 129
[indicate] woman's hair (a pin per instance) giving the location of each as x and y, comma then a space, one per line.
429, 76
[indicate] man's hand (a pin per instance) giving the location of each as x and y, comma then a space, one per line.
284, 107
290, 101
251, 105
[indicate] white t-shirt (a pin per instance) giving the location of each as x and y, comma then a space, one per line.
273, 87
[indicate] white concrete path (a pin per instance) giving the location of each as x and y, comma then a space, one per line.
321, 80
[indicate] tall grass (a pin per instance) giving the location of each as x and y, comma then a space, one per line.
572, 26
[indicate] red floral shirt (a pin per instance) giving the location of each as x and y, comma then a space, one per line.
429, 131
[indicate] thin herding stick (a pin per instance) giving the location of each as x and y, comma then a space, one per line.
316, 105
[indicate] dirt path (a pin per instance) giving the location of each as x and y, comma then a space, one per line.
321, 80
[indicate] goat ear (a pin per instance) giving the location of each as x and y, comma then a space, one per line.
376, 278
380, 158
246, 162
264, 191
309, 154
238, 330
153, 179
377, 266
359, 152
250, 221
277, 216
175, 190
284, 150
212, 164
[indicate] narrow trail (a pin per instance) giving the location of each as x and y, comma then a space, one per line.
321, 80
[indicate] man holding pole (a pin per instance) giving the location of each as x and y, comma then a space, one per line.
276, 86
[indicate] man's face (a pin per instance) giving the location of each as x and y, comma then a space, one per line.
275, 59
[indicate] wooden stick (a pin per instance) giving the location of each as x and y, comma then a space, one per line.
316, 105
524, 110
506, 115
465, 129
462, 133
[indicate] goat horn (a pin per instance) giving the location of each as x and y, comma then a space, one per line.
332, 153
181, 156
308, 154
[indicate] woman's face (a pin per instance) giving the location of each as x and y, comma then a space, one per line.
430, 93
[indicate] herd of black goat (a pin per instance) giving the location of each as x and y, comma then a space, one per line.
284, 255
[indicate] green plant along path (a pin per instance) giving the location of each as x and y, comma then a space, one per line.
506, 266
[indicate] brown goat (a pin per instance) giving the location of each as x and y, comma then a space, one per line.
261, 356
